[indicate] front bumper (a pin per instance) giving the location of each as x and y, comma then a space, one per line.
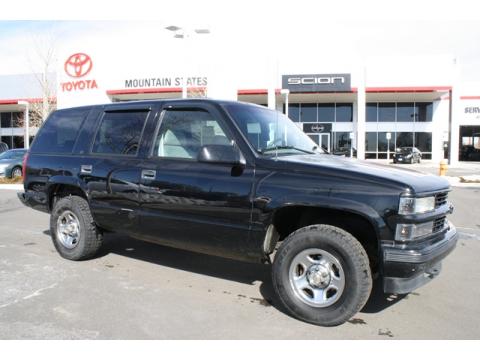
402, 160
406, 269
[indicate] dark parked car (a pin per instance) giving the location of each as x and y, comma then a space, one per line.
11, 163
408, 155
239, 181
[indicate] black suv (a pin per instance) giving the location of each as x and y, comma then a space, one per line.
239, 181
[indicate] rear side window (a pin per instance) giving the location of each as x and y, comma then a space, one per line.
119, 132
59, 133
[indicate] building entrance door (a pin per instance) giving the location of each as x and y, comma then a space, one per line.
325, 141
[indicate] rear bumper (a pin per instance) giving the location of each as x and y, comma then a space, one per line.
34, 199
405, 270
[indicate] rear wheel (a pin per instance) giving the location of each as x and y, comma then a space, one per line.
321, 275
73, 231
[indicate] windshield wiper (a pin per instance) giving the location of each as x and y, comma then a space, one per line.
284, 147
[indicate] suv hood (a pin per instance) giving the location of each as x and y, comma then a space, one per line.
416, 181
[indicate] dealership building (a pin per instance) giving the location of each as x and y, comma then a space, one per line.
371, 109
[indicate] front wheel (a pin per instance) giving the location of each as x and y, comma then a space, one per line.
321, 274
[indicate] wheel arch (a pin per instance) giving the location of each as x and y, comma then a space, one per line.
63, 186
365, 228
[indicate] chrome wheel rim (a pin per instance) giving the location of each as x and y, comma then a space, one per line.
317, 277
17, 173
68, 229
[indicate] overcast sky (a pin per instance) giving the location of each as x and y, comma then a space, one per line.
356, 30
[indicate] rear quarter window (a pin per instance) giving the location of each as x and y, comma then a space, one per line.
60, 131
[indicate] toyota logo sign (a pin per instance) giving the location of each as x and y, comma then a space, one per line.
78, 65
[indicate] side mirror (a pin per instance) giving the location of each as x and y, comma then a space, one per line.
221, 154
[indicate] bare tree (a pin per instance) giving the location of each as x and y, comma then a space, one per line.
42, 60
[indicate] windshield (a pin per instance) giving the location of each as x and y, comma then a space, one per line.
405, 150
269, 131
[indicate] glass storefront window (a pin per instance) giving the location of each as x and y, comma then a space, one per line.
386, 112
293, 112
308, 113
343, 112
314, 138
423, 112
405, 112
326, 112
371, 115
404, 139
371, 141
423, 141
6, 120
341, 141
383, 142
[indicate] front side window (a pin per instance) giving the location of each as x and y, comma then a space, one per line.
269, 131
182, 133
119, 132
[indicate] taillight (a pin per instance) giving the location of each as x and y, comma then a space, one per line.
24, 164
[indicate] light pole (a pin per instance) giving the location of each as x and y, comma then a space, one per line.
285, 92
184, 33
26, 138
389, 136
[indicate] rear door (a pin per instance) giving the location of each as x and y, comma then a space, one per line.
184, 203
111, 170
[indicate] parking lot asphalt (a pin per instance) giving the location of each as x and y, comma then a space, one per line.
137, 290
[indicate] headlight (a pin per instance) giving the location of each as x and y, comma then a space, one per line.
409, 232
409, 206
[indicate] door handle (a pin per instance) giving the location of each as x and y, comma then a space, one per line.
86, 169
149, 174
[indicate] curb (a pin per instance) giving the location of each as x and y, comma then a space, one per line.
455, 181
11, 186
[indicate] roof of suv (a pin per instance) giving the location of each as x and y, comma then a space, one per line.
159, 101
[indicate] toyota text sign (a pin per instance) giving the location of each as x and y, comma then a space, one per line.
316, 83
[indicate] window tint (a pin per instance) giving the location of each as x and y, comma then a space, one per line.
343, 113
423, 141
6, 120
293, 112
404, 139
183, 132
423, 112
326, 113
371, 141
58, 134
119, 132
371, 112
308, 113
405, 112
386, 112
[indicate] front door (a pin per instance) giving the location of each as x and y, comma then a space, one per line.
204, 207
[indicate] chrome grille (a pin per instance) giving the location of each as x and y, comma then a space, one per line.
438, 224
441, 199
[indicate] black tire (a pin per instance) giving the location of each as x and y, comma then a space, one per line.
356, 268
89, 239
16, 169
